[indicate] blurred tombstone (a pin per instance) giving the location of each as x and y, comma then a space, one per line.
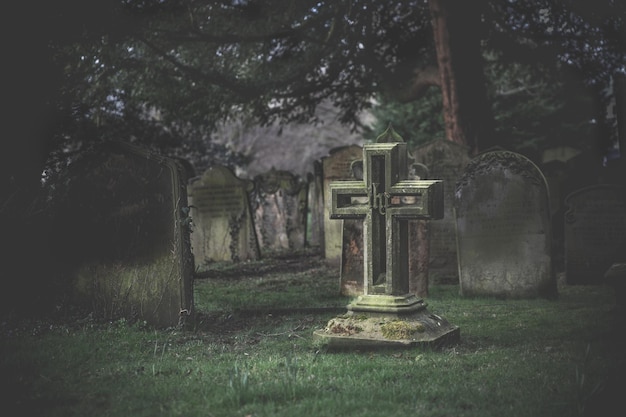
595, 232
503, 225
222, 222
337, 166
279, 204
419, 242
315, 208
352, 253
128, 223
446, 161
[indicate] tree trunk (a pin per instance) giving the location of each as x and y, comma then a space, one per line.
466, 111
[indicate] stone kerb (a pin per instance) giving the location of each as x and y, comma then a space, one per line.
503, 228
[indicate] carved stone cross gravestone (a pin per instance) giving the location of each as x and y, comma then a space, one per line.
390, 201
386, 200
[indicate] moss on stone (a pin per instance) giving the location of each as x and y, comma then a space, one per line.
399, 329
343, 329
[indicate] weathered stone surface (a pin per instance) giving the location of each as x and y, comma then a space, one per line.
419, 257
222, 223
364, 330
595, 232
315, 208
279, 205
446, 161
352, 258
134, 237
503, 228
336, 166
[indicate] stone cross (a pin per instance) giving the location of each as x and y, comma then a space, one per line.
386, 200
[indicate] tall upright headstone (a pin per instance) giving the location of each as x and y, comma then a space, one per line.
222, 221
336, 166
595, 232
503, 228
279, 203
130, 229
387, 314
446, 161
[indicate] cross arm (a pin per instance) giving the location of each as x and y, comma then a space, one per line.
349, 200
417, 199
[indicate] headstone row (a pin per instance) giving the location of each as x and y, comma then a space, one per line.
238, 220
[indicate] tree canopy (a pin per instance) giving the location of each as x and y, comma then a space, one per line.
200, 62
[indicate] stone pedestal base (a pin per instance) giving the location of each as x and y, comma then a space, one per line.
387, 321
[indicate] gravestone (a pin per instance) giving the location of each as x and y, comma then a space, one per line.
279, 206
419, 257
315, 208
222, 222
352, 256
129, 225
386, 314
503, 228
352, 252
595, 232
446, 161
336, 166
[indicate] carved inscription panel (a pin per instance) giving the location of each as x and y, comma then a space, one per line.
218, 200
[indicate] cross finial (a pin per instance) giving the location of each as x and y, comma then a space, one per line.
389, 136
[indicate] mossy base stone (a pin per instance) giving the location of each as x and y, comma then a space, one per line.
372, 330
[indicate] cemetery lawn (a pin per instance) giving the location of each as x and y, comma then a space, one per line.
248, 355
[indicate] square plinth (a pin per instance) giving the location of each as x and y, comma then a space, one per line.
373, 330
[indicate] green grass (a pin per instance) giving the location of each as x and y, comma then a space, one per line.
516, 358
260, 286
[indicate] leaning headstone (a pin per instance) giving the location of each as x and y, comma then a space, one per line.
503, 226
595, 232
222, 222
336, 166
446, 161
279, 206
130, 230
